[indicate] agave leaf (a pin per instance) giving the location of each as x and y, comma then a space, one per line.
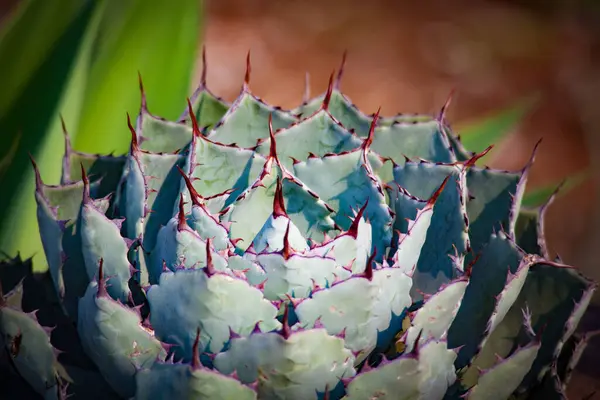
345, 181
310, 214
27, 345
488, 277
426, 374
434, 318
209, 109
493, 205
297, 366
113, 337
106, 171
247, 121
557, 297
188, 299
551, 388
156, 39
161, 136
319, 134
101, 240
502, 380
360, 307
549, 305
529, 227
218, 170
447, 235
179, 246
181, 381
39, 298
342, 109
422, 140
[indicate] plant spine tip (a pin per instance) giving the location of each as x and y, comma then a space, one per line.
476, 157
273, 144
431, 202
340, 74
204, 68
278, 203
285, 326
369, 267
142, 92
134, 139
369, 140
327, 99
196, 365
248, 70
195, 128
210, 268
353, 230
287, 249
101, 284
181, 223
194, 195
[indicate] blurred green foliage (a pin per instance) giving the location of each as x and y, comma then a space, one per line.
80, 59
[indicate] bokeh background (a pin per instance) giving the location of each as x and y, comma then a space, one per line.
408, 56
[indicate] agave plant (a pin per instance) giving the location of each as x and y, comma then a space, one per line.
247, 252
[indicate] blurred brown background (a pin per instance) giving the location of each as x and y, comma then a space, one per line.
406, 57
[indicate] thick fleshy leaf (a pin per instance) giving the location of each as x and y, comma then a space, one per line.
113, 337
188, 299
342, 109
178, 246
318, 135
494, 199
217, 168
345, 181
179, 381
151, 184
207, 108
247, 121
421, 140
101, 239
488, 278
424, 375
293, 367
447, 233
433, 319
59, 225
311, 215
499, 382
27, 345
556, 296
161, 136
358, 307
350, 249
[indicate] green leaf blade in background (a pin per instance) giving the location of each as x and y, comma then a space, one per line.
157, 38
539, 195
28, 39
33, 116
478, 134
89, 76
